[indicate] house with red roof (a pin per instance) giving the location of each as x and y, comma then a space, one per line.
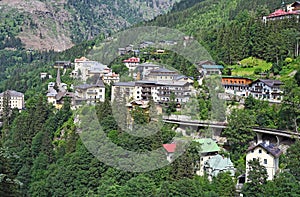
132, 63
170, 150
281, 14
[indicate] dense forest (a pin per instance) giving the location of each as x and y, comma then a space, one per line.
42, 154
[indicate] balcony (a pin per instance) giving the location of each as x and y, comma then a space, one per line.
91, 92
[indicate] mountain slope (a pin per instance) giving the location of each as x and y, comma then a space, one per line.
59, 24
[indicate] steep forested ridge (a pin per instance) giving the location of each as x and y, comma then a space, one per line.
60, 24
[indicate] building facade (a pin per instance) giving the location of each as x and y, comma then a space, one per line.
268, 156
206, 70
15, 99
159, 91
236, 85
161, 74
209, 149
132, 63
266, 89
85, 68
90, 93
218, 164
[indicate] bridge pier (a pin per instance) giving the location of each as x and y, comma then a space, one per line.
259, 138
279, 139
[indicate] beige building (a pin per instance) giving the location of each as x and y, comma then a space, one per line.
90, 93
125, 90
267, 154
15, 99
161, 74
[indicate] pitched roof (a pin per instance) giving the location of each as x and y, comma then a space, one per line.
82, 59
12, 93
212, 66
206, 62
132, 60
170, 148
178, 77
269, 82
86, 86
148, 65
280, 12
162, 70
207, 145
219, 163
295, 3
271, 148
130, 84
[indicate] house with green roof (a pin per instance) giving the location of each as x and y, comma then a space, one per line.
217, 164
209, 148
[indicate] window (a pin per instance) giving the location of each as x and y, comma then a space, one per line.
265, 161
259, 151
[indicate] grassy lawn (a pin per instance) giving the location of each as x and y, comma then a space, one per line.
289, 70
248, 66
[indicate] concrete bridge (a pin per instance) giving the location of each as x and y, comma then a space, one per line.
279, 135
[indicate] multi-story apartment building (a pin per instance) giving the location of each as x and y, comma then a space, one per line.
144, 69
161, 74
125, 90
15, 99
266, 89
159, 91
236, 85
90, 93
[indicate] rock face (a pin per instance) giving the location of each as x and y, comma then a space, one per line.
59, 24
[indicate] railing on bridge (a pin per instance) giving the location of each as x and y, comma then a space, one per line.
186, 120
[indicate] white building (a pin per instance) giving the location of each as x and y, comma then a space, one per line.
268, 156
15, 99
132, 63
159, 91
206, 70
85, 68
125, 90
144, 69
161, 74
209, 149
266, 89
111, 78
170, 150
90, 93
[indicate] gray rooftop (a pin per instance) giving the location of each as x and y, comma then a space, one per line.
12, 93
162, 70
86, 86
130, 84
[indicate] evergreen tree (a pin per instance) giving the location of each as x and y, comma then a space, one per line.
256, 179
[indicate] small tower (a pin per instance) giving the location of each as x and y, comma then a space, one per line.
58, 80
